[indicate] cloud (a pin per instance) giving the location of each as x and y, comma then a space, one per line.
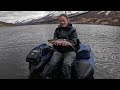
12, 16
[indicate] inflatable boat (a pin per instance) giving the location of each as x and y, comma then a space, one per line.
82, 68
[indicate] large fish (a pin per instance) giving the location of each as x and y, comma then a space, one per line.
61, 41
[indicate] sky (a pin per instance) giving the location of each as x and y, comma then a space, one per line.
13, 16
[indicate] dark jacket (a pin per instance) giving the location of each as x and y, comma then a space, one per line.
68, 33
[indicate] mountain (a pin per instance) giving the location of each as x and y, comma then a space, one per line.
98, 17
87, 17
3, 24
49, 17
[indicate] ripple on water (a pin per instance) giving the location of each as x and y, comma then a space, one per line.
16, 42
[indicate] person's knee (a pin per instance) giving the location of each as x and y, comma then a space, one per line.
69, 59
70, 55
55, 59
56, 53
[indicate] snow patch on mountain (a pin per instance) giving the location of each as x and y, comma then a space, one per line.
49, 16
106, 12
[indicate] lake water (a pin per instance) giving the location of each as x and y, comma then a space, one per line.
16, 42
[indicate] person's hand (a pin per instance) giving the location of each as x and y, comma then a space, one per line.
64, 43
56, 43
61, 43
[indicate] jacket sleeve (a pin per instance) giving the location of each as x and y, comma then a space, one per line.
55, 34
74, 37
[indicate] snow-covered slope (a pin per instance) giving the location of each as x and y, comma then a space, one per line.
50, 16
93, 17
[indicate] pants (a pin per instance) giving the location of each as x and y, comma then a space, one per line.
66, 58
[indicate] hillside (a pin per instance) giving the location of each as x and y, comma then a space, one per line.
94, 17
89, 17
4, 24
98, 17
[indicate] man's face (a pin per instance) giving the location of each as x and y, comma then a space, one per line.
63, 21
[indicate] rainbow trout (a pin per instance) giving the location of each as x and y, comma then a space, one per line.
61, 41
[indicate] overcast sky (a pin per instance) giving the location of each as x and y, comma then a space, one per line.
12, 16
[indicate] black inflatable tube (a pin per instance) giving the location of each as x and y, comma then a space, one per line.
82, 70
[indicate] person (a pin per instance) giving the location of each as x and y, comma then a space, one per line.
63, 53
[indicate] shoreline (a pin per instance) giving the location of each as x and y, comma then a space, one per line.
57, 23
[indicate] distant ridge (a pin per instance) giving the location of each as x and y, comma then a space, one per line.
3, 24
89, 17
